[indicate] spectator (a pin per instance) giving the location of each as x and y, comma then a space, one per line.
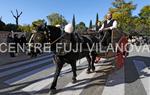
16, 40
10, 40
23, 40
98, 25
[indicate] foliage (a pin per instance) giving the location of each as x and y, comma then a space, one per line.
97, 20
145, 19
56, 19
81, 27
73, 23
122, 12
145, 12
26, 28
2, 25
10, 27
90, 25
38, 23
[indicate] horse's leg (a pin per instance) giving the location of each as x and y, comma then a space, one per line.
89, 63
92, 63
59, 66
74, 69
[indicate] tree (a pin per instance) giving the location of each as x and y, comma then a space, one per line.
26, 28
90, 25
145, 12
81, 27
56, 19
10, 27
73, 23
122, 12
38, 22
145, 19
2, 24
16, 17
1, 18
136, 24
36, 25
97, 20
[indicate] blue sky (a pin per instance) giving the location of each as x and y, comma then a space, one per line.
84, 10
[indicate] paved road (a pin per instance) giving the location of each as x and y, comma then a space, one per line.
34, 77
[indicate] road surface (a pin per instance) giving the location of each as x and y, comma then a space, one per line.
34, 77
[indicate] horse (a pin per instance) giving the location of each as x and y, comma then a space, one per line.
55, 35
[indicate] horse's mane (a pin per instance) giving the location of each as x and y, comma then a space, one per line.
56, 32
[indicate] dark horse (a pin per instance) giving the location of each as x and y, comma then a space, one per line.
54, 35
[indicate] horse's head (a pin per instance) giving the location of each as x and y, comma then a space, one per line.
50, 34
45, 34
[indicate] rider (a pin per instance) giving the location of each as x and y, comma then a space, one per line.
108, 25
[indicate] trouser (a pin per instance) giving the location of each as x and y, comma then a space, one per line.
106, 37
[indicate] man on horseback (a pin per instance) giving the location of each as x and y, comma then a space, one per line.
106, 31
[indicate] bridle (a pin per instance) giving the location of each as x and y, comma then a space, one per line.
51, 43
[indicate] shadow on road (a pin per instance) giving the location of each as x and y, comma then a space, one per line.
130, 72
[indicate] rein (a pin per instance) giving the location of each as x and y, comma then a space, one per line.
50, 43
31, 38
57, 39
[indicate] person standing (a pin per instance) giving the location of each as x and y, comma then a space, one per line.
23, 40
98, 25
9, 41
17, 41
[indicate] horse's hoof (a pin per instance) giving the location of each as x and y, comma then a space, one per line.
93, 70
52, 92
74, 80
88, 71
